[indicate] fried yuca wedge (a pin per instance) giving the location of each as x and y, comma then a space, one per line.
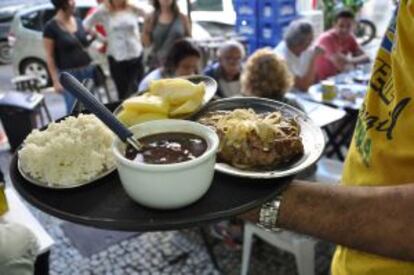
130, 117
186, 108
147, 104
177, 91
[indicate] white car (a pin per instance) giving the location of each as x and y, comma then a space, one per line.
6, 18
26, 38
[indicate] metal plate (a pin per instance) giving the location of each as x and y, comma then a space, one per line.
210, 92
312, 136
38, 182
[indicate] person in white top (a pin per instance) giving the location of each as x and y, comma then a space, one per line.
298, 53
120, 20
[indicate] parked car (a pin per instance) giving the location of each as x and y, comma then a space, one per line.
6, 17
26, 38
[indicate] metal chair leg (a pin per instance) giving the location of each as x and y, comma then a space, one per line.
40, 115
209, 248
49, 117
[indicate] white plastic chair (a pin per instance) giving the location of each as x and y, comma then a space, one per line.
301, 246
19, 213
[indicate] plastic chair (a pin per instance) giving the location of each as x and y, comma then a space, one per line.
99, 85
31, 83
19, 213
302, 247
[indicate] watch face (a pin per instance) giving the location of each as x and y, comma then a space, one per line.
268, 215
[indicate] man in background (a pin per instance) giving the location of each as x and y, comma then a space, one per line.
341, 50
228, 68
298, 53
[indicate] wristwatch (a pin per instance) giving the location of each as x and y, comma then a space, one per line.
269, 214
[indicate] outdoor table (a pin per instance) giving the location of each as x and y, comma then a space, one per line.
351, 89
321, 114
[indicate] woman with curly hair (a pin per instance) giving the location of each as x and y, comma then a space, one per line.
266, 75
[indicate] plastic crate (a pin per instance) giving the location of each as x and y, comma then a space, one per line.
266, 44
247, 26
251, 46
245, 7
272, 32
271, 10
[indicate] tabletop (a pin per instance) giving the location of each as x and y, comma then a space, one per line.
349, 96
23, 100
321, 114
104, 203
350, 86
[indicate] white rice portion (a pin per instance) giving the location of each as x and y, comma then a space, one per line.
67, 153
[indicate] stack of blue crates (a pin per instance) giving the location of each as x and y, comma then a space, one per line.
247, 23
263, 22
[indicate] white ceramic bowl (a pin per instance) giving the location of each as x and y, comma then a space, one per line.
168, 186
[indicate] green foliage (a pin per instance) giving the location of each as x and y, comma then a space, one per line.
330, 7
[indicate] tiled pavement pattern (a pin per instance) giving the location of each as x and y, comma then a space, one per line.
171, 252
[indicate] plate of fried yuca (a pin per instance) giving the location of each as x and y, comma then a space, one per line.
167, 98
262, 138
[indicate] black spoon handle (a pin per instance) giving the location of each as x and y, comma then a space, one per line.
83, 95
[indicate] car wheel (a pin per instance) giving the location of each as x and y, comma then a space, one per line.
5, 52
37, 68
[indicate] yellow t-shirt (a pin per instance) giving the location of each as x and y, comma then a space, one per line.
382, 149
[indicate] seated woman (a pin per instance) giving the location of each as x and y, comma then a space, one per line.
228, 68
182, 59
267, 75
